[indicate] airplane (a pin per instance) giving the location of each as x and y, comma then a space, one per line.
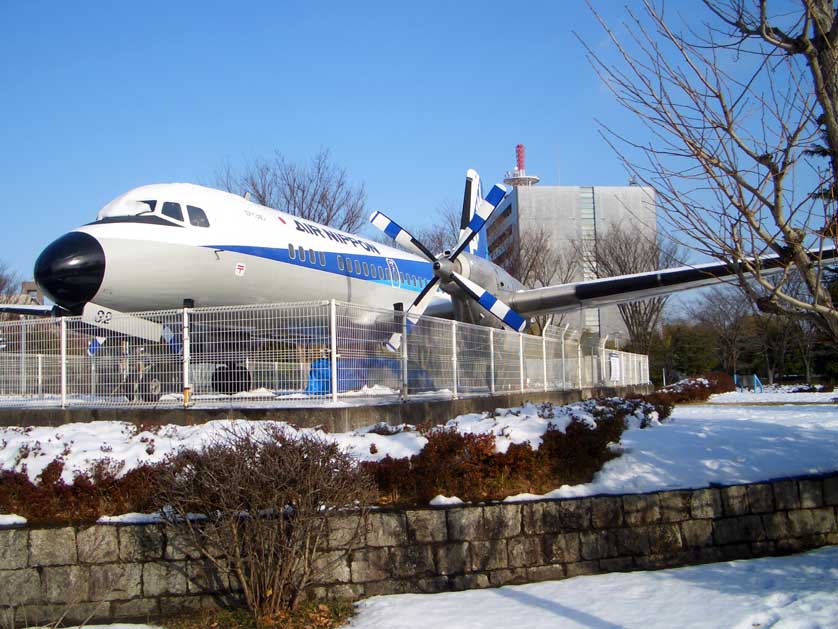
163, 246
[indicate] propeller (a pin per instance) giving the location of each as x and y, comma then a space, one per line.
443, 264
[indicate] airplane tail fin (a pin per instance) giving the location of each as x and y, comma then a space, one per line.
471, 198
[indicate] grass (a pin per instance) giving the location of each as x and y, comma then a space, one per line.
314, 615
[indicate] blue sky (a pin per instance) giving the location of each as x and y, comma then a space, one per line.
98, 98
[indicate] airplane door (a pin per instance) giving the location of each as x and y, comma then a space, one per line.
395, 280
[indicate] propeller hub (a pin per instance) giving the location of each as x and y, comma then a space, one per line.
443, 269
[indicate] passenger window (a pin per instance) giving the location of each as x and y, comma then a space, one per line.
366, 269
381, 272
312, 256
172, 210
372, 271
357, 267
197, 216
291, 252
340, 263
302, 255
322, 259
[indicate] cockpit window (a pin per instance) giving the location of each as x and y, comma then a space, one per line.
197, 216
172, 210
151, 205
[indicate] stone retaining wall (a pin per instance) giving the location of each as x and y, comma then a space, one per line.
111, 572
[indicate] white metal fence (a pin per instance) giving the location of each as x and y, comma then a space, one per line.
287, 355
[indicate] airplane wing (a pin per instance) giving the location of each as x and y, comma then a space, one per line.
634, 287
35, 310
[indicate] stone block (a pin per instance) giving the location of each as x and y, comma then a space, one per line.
763, 549
658, 562
557, 516
31, 615
665, 539
710, 554
830, 490
792, 545
501, 521
706, 503
823, 520
164, 578
470, 582
525, 552
732, 552
734, 500
489, 555
140, 543
66, 584
388, 587
811, 493
204, 577
411, 561
498, 578
111, 582
330, 567
616, 564
633, 541
452, 558
180, 545
369, 564
546, 573
606, 512
761, 498
641, 509
14, 548
347, 531
176, 605
776, 525
464, 523
427, 525
786, 495
138, 608
97, 544
563, 548
697, 533
19, 587
52, 547
580, 568
674, 505
598, 544
746, 528
338, 592
432, 585
801, 523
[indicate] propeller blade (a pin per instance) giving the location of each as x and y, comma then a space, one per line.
491, 303
484, 211
414, 313
400, 235
469, 197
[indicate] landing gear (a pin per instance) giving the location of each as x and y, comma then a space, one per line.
230, 379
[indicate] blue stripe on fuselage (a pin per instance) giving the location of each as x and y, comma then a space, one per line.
423, 270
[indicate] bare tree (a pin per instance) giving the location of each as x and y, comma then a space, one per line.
742, 149
317, 191
725, 311
443, 233
622, 249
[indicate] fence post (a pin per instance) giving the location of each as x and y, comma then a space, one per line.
187, 387
63, 360
564, 371
579, 364
521, 358
22, 356
454, 353
40, 374
544, 358
405, 392
333, 348
492, 360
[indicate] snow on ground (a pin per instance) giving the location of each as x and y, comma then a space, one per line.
798, 591
778, 394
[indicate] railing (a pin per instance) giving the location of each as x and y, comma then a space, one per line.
297, 354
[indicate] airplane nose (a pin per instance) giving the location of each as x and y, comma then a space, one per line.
70, 270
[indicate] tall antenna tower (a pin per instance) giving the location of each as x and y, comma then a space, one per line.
519, 176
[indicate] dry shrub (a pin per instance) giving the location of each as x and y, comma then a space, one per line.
265, 500
692, 390
99, 491
467, 466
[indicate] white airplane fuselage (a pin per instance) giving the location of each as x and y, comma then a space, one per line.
245, 254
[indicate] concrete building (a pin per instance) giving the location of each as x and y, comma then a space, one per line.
567, 214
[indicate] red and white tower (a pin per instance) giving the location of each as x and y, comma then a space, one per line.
519, 176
